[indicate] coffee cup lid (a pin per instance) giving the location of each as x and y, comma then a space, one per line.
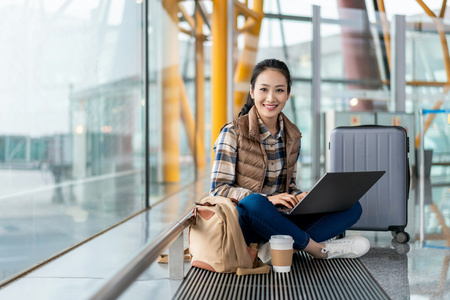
281, 239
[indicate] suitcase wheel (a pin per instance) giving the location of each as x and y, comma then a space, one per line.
401, 236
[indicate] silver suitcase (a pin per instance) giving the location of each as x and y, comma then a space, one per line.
375, 148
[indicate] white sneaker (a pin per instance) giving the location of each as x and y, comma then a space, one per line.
264, 252
348, 247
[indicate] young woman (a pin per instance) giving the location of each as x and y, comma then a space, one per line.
255, 163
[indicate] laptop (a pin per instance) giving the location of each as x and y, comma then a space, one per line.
335, 191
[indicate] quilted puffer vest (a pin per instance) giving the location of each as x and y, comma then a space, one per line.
251, 163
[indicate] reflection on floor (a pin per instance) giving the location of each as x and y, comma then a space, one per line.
46, 218
417, 270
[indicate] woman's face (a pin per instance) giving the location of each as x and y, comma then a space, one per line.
270, 95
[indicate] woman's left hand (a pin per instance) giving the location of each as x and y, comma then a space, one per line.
301, 196
285, 199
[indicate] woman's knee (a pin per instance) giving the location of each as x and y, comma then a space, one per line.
356, 211
255, 204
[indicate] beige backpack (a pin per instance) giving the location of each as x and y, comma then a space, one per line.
216, 242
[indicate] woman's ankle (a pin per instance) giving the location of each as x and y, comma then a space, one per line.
315, 249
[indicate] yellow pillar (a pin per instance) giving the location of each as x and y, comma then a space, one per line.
170, 94
219, 68
385, 28
247, 60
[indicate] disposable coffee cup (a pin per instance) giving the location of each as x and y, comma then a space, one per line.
281, 252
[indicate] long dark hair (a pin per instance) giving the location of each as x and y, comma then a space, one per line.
271, 63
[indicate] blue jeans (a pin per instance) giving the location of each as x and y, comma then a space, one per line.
259, 220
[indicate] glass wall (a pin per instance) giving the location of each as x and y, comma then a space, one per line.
427, 71
178, 136
71, 124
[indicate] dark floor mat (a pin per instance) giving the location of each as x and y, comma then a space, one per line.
309, 279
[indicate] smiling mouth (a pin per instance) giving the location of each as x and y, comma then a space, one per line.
270, 106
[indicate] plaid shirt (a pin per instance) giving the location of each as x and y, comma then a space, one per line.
223, 170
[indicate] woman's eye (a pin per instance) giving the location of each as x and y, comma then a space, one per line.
263, 89
280, 90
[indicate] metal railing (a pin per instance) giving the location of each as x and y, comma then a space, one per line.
130, 271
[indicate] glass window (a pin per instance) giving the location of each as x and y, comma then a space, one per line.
173, 99
72, 138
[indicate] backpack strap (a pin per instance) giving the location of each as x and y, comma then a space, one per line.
261, 268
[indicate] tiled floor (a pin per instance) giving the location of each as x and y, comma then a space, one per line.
417, 270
